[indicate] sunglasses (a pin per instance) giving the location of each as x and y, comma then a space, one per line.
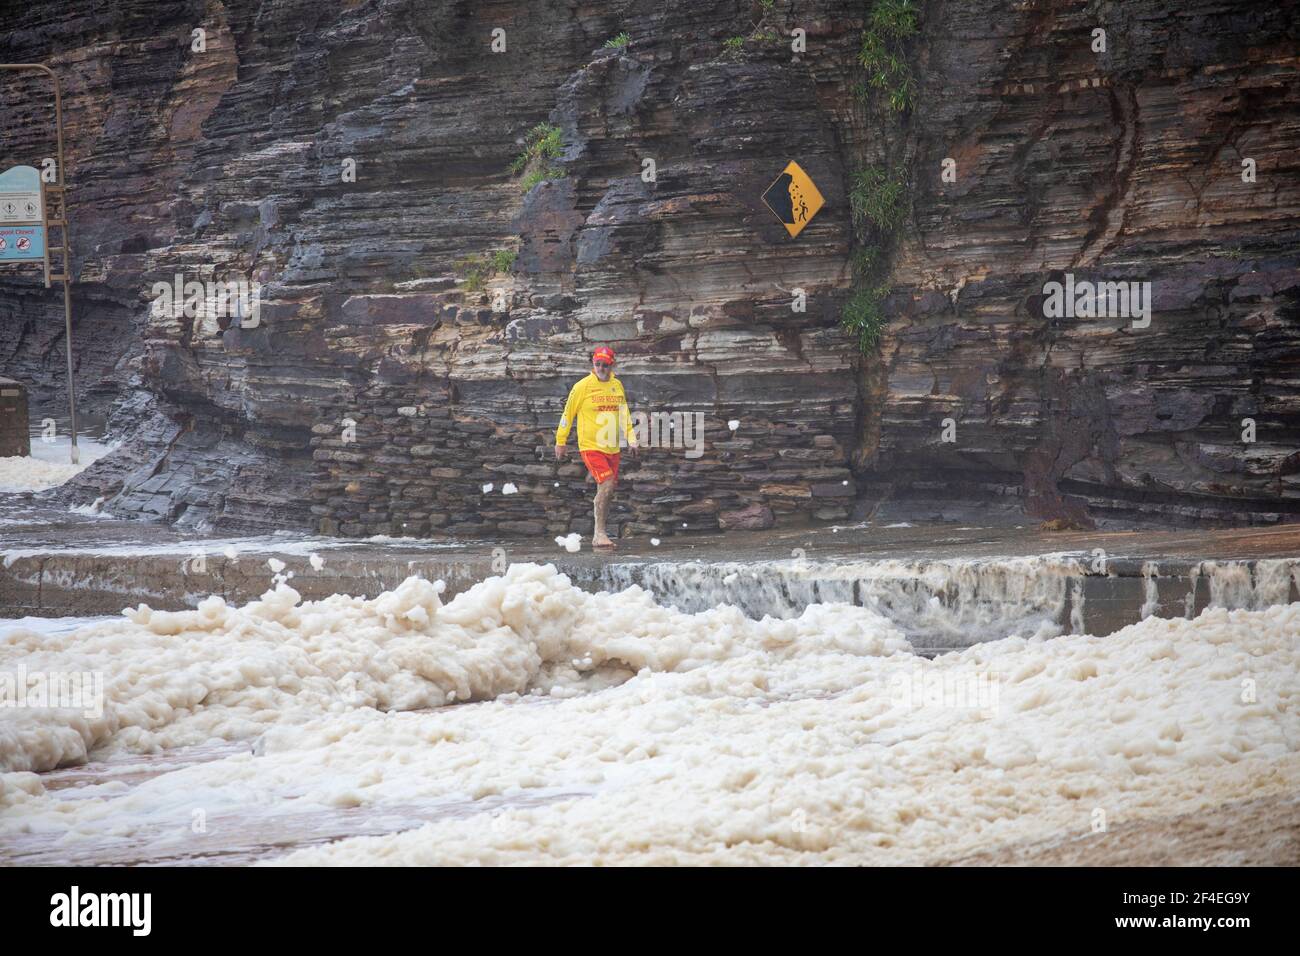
604, 365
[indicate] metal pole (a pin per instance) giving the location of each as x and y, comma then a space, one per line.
61, 181
67, 325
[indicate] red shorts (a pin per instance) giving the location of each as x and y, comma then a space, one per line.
603, 467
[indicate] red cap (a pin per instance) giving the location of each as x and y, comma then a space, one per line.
604, 353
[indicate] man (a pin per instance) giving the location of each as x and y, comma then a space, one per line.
599, 406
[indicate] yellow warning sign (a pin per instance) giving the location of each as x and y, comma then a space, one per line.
793, 199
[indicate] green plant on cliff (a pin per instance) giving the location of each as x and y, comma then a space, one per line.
864, 315
474, 271
883, 55
878, 198
878, 205
622, 40
878, 195
542, 144
761, 31
503, 260
866, 261
539, 176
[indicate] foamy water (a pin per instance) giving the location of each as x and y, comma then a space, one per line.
35, 474
685, 737
50, 461
954, 602
958, 601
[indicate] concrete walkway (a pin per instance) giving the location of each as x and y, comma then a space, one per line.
55, 564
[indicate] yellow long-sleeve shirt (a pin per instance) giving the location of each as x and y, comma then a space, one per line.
599, 408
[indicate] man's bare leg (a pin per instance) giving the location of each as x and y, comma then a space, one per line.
604, 495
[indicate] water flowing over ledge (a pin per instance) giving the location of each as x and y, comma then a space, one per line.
947, 604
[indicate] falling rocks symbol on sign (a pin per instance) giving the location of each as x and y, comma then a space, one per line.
793, 199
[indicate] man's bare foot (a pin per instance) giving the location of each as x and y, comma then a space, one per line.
602, 541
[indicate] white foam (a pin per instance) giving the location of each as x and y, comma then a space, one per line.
665, 737
35, 474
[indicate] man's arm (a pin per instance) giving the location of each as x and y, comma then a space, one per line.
567, 420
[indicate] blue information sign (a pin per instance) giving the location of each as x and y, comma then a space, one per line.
22, 223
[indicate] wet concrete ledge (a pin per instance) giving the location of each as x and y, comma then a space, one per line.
59, 565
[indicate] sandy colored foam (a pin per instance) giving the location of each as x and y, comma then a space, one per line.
687, 738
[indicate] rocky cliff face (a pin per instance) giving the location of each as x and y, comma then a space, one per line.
380, 392
1117, 166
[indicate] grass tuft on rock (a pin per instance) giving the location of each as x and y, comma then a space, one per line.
474, 271
542, 145
878, 197
864, 315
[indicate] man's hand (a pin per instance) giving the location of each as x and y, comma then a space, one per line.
636, 451
560, 452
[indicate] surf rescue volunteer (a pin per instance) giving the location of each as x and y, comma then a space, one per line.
598, 405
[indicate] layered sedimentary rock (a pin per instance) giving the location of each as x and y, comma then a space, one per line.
1123, 165
377, 394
